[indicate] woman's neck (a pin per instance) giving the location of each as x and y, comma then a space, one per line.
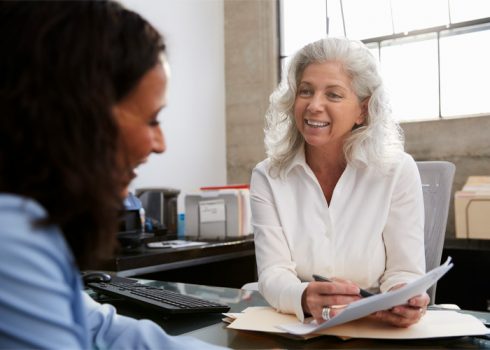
328, 166
327, 160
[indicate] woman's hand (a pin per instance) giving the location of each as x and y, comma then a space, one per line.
405, 315
328, 294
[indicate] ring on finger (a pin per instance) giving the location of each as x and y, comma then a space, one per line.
326, 313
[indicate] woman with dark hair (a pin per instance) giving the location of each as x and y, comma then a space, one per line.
81, 86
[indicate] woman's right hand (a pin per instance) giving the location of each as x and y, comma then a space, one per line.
334, 295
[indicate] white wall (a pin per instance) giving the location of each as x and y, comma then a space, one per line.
194, 119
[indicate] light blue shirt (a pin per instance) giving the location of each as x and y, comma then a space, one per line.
42, 303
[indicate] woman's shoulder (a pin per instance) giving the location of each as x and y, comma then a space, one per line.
19, 214
265, 175
263, 165
262, 168
13, 205
405, 168
406, 161
40, 282
400, 161
23, 237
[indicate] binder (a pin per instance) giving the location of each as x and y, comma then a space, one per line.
222, 212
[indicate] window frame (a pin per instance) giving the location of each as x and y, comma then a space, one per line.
470, 26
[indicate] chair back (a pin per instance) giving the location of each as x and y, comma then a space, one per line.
437, 179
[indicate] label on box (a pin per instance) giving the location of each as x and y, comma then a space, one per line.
212, 210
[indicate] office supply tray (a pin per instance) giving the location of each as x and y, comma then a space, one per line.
167, 302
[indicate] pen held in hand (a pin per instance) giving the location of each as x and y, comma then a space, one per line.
363, 293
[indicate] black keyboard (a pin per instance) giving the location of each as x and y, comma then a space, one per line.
165, 301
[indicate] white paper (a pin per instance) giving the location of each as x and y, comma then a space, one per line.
378, 302
177, 243
212, 211
434, 324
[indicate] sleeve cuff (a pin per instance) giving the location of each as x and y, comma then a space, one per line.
297, 294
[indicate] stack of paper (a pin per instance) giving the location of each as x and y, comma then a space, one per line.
434, 324
352, 321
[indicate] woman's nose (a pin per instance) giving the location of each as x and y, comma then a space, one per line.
315, 104
159, 145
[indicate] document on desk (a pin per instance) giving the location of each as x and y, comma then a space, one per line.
434, 324
378, 302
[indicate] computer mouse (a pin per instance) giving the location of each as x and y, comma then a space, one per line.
96, 276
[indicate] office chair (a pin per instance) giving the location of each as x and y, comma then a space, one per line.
437, 180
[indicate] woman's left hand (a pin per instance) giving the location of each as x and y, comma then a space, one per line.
405, 315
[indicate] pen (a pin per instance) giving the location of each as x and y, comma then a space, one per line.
318, 278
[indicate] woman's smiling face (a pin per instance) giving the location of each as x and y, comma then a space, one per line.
326, 107
136, 116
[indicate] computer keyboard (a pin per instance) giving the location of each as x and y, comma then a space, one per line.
165, 301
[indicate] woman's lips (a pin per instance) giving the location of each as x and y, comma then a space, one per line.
316, 123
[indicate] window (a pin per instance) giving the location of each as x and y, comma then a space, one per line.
434, 55
411, 78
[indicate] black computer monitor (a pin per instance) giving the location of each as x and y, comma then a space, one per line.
130, 222
130, 232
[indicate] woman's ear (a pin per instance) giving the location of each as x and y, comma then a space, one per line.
364, 111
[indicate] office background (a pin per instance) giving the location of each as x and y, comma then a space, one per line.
224, 59
194, 119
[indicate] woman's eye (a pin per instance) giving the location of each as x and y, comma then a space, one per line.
304, 92
154, 122
334, 96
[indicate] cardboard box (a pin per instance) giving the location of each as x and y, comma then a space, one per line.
472, 208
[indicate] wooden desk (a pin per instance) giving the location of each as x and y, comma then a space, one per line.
211, 329
229, 263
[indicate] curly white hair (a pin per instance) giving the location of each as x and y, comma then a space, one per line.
376, 142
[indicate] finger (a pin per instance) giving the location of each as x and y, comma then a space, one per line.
334, 311
343, 281
336, 288
420, 300
406, 311
394, 319
319, 320
320, 294
406, 315
328, 293
338, 299
320, 316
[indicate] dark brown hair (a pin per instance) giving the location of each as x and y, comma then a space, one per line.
63, 67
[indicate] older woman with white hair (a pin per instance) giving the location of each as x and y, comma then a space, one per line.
337, 195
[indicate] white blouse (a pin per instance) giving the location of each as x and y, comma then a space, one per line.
372, 233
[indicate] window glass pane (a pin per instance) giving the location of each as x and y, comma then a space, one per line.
467, 10
367, 18
335, 24
301, 24
410, 64
419, 14
410, 71
465, 71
